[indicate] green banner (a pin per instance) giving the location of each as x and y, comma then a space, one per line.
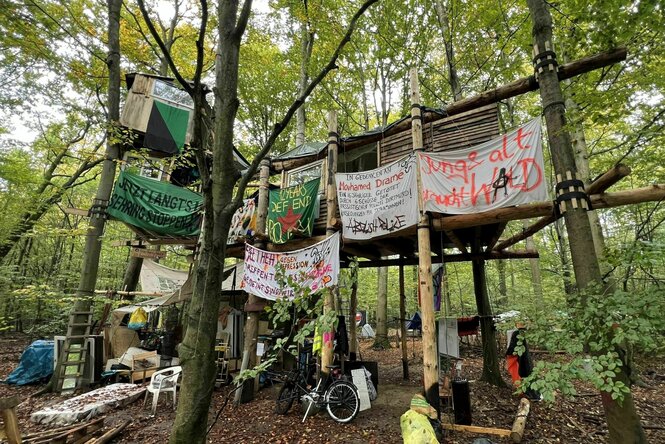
292, 211
155, 206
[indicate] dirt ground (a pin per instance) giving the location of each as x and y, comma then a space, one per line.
576, 420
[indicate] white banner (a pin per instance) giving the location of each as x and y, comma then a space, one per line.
378, 202
314, 267
503, 172
156, 278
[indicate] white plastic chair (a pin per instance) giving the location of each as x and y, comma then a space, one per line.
165, 380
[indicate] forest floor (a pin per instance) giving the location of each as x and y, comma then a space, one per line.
575, 420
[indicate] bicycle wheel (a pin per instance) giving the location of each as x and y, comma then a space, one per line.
285, 398
342, 401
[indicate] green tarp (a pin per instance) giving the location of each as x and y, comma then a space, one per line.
155, 206
167, 128
292, 211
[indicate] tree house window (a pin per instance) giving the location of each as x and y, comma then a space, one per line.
306, 173
150, 167
168, 92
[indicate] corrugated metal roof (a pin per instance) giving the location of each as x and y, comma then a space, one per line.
306, 149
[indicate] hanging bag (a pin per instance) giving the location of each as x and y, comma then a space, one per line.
138, 319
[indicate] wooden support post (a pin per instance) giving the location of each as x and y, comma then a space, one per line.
622, 420
491, 371
402, 324
430, 356
251, 331
331, 204
517, 431
12, 431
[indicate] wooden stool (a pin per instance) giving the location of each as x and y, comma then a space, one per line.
10, 430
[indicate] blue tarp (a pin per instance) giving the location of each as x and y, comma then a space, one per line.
36, 364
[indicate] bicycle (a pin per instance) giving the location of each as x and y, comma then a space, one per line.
338, 396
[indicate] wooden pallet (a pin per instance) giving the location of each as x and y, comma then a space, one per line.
73, 434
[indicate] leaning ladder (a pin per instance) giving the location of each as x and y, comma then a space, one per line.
74, 354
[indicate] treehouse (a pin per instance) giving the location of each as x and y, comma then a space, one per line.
379, 148
157, 162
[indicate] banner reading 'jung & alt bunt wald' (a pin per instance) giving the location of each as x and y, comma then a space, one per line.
503, 172
380, 201
292, 211
156, 206
315, 267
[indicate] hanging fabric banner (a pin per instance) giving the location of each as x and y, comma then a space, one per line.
156, 206
292, 211
314, 267
380, 201
503, 172
243, 223
156, 278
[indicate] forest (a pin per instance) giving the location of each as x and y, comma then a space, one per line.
262, 76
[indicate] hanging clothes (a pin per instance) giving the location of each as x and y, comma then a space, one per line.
341, 337
520, 366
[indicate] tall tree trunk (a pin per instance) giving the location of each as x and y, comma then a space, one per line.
568, 284
622, 420
381, 341
491, 372
534, 265
443, 14
93, 240
503, 289
402, 325
578, 140
445, 290
306, 44
197, 348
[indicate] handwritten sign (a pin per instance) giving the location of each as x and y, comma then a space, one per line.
292, 210
503, 172
380, 201
315, 267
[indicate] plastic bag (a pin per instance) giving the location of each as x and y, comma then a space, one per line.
416, 429
138, 319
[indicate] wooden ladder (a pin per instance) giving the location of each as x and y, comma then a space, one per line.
74, 353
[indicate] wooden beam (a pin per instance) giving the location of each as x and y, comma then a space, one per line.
171, 241
76, 211
598, 201
493, 255
515, 88
295, 244
362, 250
457, 241
496, 236
609, 178
476, 429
